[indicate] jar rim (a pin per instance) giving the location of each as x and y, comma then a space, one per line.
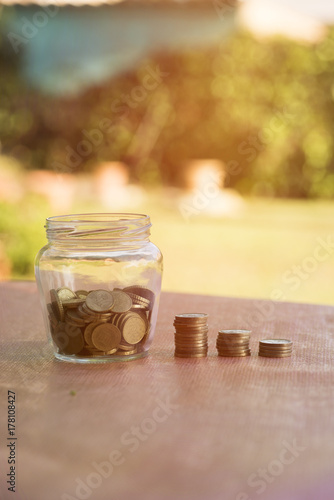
97, 228
98, 217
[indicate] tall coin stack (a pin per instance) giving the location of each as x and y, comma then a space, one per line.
275, 348
191, 335
233, 343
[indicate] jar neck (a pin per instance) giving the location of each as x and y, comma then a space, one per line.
98, 230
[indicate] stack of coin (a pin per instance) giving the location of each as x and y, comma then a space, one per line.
191, 335
100, 322
275, 348
233, 343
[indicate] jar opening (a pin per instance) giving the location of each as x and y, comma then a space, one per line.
99, 227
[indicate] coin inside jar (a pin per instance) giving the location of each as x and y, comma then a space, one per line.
122, 301
57, 305
106, 337
133, 329
100, 301
65, 293
73, 313
89, 332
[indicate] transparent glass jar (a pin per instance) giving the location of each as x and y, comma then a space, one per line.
99, 279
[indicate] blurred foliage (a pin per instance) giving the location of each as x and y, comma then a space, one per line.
21, 232
265, 108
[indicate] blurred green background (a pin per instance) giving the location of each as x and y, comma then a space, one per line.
229, 149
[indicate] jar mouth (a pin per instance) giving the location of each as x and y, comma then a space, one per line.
104, 218
98, 227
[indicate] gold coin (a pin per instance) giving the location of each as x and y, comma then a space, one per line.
275, 349
94, 352
93, 349
49, 308
190, 325
191, 328
59, 337
123, 317
190, 340
231, 345
126, 347
192, 351
240, 355
116, 319
276, 343
137, 299
122, 301
275, 355
106, 337
236, 352
72, 303
85, 352
126, 353
232, 341
75, 345
89, 332
53, 321
85, 316
143, 315
233, 351
99, 301
143, 292
72, 315
57, 305
81, 294
138, 307
192, 316
94, 315
65, 293
232, 338
68, 339
181, 355
236, 332
191, 333
191, 344
112, 351
133, 329
52, 317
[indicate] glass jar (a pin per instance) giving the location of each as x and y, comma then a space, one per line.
99, 279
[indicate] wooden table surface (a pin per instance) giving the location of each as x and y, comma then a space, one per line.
165, 428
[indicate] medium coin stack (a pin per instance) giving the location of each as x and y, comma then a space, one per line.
275, 348
100, 322
191, 335
233, 343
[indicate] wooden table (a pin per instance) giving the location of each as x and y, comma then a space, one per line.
165, 428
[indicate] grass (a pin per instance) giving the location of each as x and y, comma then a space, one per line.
248, 255
253, 254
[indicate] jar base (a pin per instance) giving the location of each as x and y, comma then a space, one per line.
99, 359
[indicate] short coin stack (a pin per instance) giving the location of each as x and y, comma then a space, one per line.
233, 343
191, 335
275, 348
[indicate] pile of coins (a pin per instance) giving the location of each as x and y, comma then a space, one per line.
100, 322
275, 348
191, 335
233, 343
